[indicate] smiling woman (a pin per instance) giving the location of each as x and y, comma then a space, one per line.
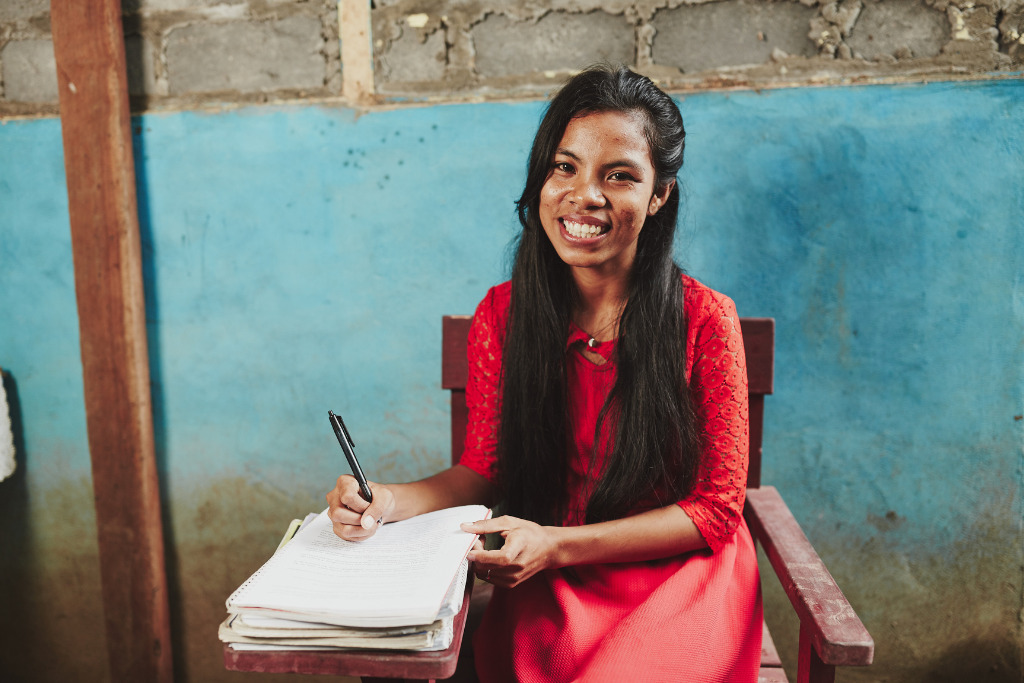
599, 193
608, 413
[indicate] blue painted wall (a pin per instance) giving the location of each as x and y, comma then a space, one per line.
299, 258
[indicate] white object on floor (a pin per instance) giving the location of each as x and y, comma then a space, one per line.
7, 462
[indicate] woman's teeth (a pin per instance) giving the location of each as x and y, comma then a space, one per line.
582, 230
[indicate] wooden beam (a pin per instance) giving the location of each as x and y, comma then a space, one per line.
356, 51
89, 49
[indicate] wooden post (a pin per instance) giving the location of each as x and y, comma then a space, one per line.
89, 49
810, 668
356, 52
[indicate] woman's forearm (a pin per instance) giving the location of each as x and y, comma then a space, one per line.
454, 486
650, 535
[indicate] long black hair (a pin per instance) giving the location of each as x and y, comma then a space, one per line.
655, 447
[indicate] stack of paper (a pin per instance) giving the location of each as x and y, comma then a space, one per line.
399, 589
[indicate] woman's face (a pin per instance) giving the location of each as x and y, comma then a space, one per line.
599, 192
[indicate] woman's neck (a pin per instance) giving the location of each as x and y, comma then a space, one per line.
601, 300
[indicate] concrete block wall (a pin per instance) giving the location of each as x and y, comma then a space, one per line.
495, 47
186, 53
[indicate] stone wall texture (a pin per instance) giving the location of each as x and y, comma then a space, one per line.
186, 53
501, 48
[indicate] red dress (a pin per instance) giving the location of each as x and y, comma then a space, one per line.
692, 618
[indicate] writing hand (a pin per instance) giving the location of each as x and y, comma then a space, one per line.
352, 517
529, 548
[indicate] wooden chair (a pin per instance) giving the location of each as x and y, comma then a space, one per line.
831, 634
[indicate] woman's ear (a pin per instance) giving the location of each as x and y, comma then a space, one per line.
659, 197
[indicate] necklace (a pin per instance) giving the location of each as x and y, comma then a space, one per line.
592, 342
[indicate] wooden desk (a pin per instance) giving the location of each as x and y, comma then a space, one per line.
376, 666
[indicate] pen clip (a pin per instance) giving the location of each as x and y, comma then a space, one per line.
344, 429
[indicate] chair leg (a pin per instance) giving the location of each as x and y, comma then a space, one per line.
810, 668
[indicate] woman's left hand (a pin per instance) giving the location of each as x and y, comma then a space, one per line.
529, 548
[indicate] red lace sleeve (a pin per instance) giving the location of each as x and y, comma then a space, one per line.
718, 386
483, 393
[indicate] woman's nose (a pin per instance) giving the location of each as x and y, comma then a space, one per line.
586, 193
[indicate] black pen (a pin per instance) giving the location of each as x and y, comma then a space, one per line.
349, 448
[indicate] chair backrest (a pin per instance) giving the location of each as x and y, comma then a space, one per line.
758, 342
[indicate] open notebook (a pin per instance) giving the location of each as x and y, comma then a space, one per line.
399, 589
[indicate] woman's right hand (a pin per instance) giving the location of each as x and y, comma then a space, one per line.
353, 518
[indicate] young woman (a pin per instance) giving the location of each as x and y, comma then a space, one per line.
608, 415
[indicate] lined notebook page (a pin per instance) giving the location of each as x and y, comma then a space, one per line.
397, 577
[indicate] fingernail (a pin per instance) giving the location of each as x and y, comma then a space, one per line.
368, 522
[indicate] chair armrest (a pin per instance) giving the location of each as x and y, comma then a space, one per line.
836, 632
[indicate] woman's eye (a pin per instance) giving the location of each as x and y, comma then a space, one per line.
563, 166
622, 175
